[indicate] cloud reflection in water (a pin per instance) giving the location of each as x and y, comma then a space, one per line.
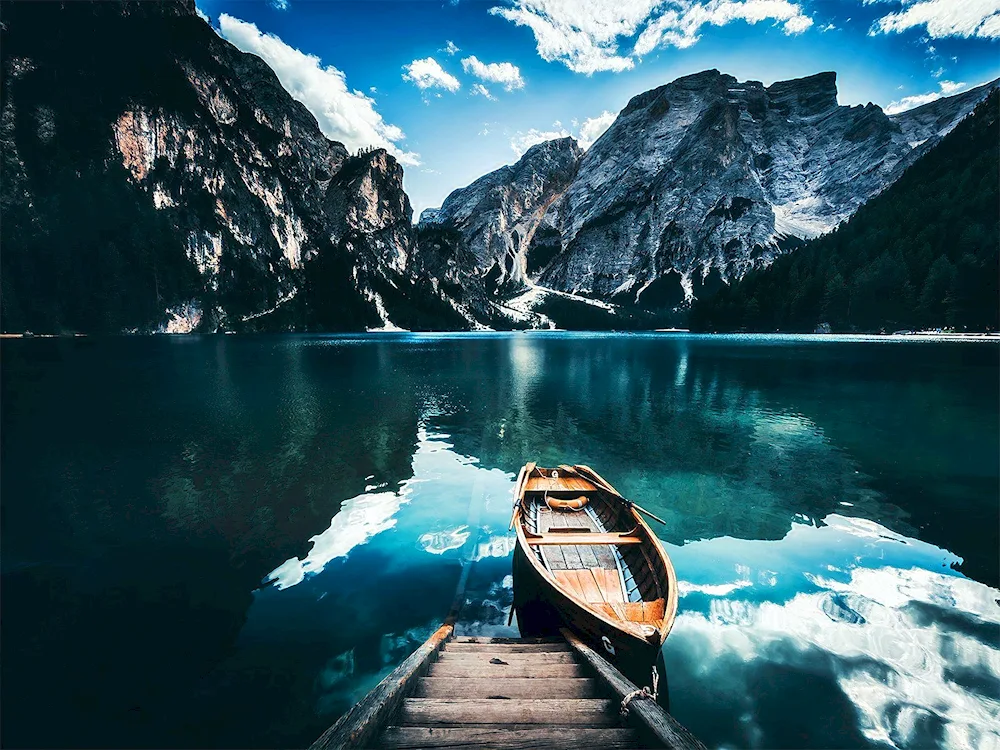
913, 646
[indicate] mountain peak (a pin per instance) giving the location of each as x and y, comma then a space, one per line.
550, 148
809, 96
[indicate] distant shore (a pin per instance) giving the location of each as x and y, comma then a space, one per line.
672, 332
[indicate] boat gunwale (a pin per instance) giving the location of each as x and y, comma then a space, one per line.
620, 625
671, 603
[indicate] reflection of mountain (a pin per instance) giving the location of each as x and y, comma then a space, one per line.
143, 507
721, 437
673, 425
176, 475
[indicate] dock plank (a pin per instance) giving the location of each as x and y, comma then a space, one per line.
542, 658
494, 671
510, 687
481, 639
506, 648
566, 712
404, 738
366, 719
655, 725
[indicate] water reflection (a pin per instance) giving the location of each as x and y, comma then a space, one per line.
832, 512
893, 646
906, 651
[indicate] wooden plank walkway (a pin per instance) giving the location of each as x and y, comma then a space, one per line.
504, 693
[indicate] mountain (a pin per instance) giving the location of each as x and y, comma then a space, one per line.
500, 212
923, 254
695, 183
157, 178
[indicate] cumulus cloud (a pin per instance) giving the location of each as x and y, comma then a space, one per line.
944, 18
451, 48
343, 115
428, 74
521, 142
586, 133
582, 34
681, 28
594, 127
587, 35
945, 88
506, 74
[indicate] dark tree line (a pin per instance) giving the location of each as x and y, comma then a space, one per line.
923, 254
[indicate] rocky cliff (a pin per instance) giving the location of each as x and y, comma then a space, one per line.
157, 178
694, 184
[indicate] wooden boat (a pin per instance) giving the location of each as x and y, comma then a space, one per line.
586, 559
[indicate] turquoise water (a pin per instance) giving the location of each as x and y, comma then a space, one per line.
225, 541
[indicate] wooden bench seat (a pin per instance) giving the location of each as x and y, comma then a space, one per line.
645, 613
578, 539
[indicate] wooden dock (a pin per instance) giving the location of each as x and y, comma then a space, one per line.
505, 693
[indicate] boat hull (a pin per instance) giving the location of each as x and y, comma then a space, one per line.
542, 609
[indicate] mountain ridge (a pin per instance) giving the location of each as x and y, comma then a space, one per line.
702, 179
189, 192
922, 254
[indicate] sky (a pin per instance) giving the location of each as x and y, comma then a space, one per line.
457, 88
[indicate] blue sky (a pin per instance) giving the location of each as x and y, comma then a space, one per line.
458, 88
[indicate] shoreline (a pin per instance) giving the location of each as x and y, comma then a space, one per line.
664, 333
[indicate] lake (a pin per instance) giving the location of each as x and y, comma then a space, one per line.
225, 541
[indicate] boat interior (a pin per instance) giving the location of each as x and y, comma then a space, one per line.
593, 547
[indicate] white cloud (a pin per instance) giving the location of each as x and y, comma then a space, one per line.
521, 142
946, 88
506, 74
827, 27
585, 35
681, 28
343, 115
950, 87
278, 4
451, 48
582, 34
944, 18
480, 90
589, 131
428, 74
594, 127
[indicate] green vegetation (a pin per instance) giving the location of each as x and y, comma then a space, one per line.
923, 254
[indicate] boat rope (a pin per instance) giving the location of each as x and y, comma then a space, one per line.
645, 692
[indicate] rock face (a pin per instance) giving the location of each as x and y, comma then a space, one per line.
157, 178
501, 213
695, 183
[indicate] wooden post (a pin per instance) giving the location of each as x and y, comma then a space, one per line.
644, 714
361, 725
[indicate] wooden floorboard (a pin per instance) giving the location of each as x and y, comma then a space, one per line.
561, 484
495, 671
480, 639
510, 687
512, 657
506, 648
403, 738
566, 712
